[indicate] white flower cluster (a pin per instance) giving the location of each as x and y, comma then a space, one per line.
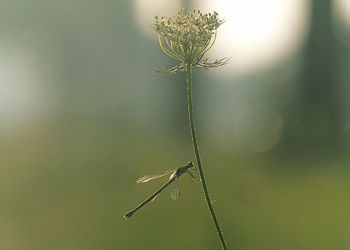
188, 36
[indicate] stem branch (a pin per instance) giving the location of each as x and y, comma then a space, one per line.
196, 151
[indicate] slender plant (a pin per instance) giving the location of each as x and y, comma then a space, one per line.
186, 38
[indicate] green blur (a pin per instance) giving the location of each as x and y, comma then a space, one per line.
68, 177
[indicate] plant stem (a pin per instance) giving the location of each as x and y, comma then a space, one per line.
196, 151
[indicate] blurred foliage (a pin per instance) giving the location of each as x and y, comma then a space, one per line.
68, 176
67, 186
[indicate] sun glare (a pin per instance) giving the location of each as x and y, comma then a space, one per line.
257, 34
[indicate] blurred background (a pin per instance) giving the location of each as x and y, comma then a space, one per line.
82, 117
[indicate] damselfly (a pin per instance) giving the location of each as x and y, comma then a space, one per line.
173, 177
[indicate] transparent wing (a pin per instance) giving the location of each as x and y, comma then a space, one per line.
175, 193
147, 178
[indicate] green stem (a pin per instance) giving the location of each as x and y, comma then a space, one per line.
196, 151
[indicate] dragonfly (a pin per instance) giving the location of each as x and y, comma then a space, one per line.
173, 177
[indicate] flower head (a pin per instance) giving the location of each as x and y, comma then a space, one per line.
187, 36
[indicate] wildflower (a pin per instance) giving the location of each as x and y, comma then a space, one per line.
187, 36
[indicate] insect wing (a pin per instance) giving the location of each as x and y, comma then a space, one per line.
175, 193
147, 178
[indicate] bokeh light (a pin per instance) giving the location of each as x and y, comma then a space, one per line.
257, 128
27, 94
342, 11
257, 34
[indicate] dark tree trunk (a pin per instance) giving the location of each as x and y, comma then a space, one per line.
318, 118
